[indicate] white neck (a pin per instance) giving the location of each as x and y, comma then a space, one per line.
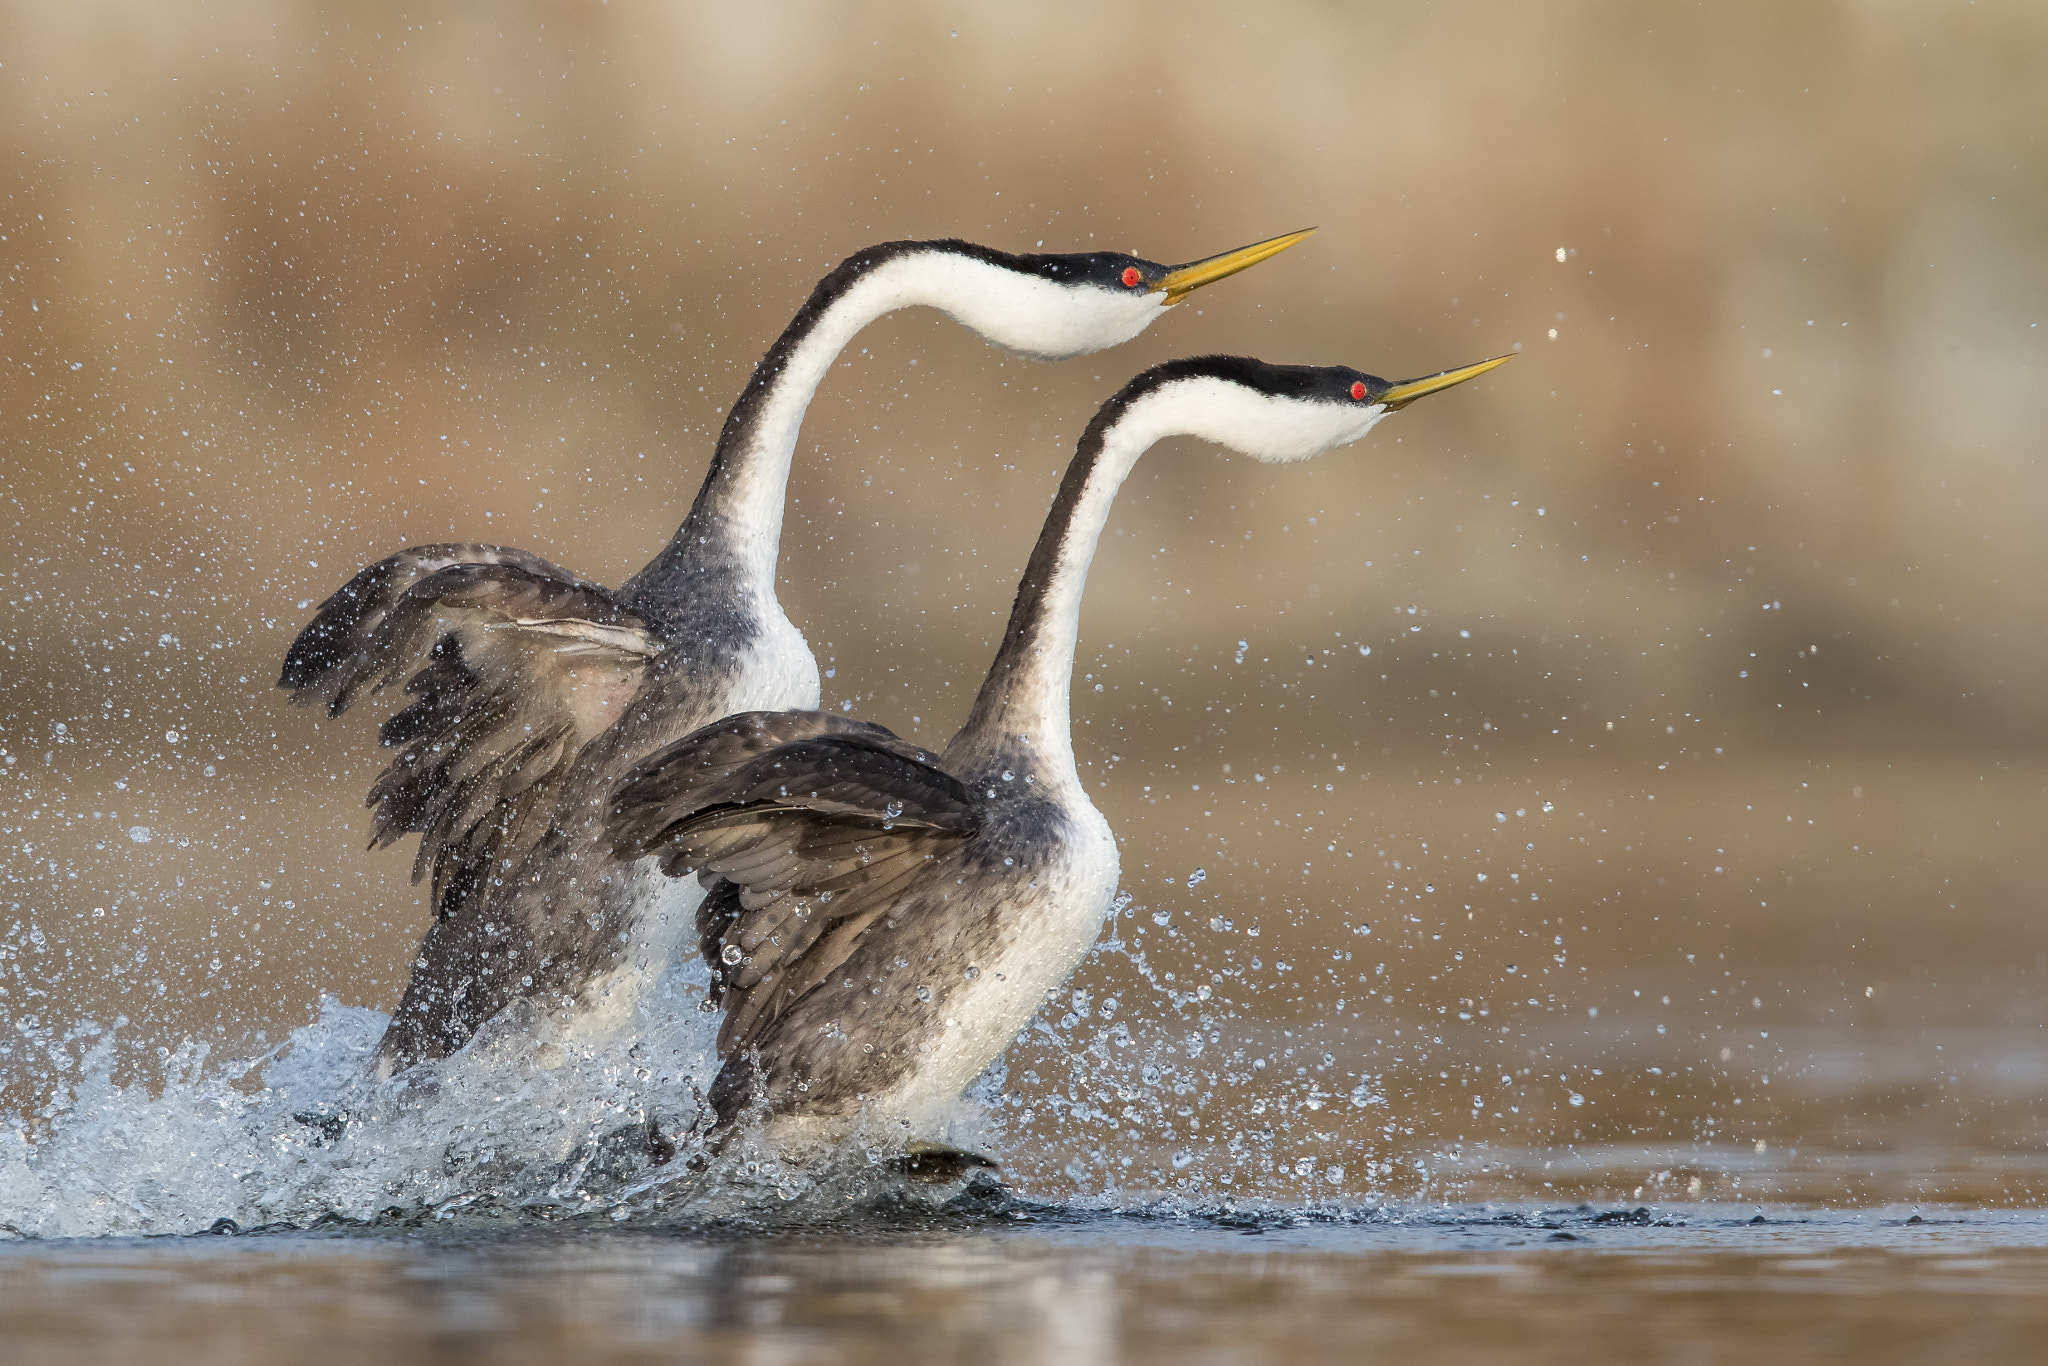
737, 519
1025, 704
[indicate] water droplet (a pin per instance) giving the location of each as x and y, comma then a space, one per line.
972, 972
1161, 917
730, 954
924, 993
1500, 818
1577, 1100
1196, 878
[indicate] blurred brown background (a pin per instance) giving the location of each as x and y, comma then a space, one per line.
1709, 630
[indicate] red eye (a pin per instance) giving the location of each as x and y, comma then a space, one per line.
1358, 389
1131, 277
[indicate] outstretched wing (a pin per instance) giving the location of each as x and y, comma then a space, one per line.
515, 664
816, 838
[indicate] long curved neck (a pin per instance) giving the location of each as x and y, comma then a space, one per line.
1024, 706
729, 543
1268, 412
734, 529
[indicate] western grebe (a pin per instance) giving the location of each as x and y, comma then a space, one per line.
537, 689
882, 920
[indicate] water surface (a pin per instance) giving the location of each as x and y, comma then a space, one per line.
1692, 1283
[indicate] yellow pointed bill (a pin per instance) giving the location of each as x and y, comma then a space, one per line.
1408, 390
1183, 280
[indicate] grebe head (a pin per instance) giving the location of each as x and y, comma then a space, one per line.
1055, 306
1274, 413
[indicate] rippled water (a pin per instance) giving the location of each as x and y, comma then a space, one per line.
1703, 1283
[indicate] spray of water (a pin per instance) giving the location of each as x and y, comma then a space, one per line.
530, 1121
526, 1117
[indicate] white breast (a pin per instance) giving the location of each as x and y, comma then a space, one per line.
1054, 926
780, 672
661, 961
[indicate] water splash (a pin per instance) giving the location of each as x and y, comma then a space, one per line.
1183, 1096
528, 1116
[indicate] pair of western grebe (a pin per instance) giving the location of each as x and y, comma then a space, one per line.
879, 920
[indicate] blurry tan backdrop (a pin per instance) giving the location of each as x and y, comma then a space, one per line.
1708, 631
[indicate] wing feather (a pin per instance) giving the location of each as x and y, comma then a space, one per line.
513, 665
809, 829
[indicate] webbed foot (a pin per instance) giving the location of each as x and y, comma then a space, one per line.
936, 1164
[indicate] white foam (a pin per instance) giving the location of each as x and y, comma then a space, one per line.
518, 1119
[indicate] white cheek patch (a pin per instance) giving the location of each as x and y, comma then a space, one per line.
1047, 321
1267, 428
1028, 315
